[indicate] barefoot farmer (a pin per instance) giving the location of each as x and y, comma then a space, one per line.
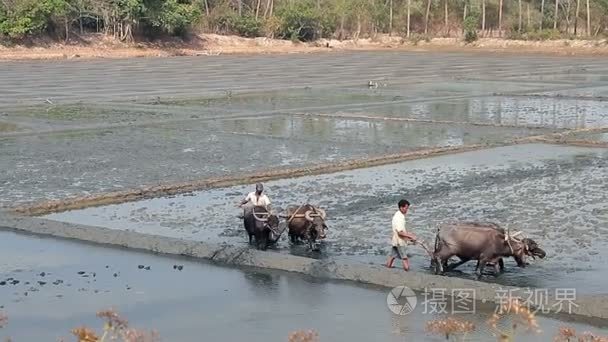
400, 237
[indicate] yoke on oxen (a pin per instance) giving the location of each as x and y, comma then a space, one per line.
275, 232
261, 224
486, 242
296, 212
306, 222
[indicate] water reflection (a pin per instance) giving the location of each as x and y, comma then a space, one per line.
263, 284
334, 132
503, 110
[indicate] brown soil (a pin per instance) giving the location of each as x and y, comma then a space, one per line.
99, 46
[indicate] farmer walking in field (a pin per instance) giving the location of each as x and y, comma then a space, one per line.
401, 237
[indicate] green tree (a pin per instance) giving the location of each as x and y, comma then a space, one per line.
171, 16
29, 17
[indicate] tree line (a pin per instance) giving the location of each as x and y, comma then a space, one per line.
304, 20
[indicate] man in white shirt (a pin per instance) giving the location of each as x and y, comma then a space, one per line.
401, 237
257, 198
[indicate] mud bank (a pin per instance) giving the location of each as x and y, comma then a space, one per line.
585, 306
98, 46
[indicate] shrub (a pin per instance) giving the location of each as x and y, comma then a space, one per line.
538, 35
247, 26
171, 16
272, 26
29, 17
416, 38
470, 28
543, 35
300, 21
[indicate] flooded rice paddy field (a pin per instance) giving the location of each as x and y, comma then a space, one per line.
557, 195
133, 79
52, 286
53, 166
72, 128
518, 111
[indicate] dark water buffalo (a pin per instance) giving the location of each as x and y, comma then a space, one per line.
531, 249
262, 225
485, 242
306, 222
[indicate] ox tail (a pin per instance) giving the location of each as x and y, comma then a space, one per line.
435, 263
437, 240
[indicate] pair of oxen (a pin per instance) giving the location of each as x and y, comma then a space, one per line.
304, 223
487, 243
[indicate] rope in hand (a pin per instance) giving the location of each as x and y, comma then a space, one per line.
423, 245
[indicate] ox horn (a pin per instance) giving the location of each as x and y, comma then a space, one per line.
322, 213
307, 215
508, 235
514, 236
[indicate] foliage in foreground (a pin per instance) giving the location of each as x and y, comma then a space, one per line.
521, 318
115, 328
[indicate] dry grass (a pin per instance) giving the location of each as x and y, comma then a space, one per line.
566, 334
115, 328
521, 317
453, 329
304, 336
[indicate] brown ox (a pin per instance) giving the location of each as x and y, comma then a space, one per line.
306, 222
483, 242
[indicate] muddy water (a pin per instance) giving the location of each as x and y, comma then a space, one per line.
522, 111
599, 92
381, 90
555, 194
79, 162
7, 127
121, 118
339, 132
62, 284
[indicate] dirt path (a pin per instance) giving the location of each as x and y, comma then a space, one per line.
96, 46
